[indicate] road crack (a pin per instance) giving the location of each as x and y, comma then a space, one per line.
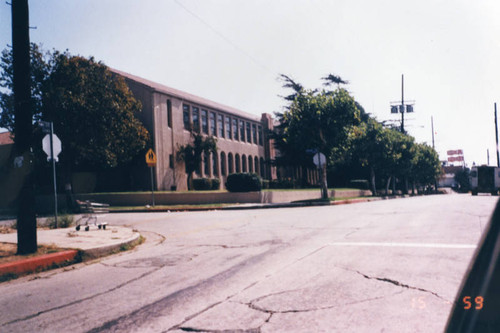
399, 284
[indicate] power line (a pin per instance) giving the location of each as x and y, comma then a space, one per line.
227, 40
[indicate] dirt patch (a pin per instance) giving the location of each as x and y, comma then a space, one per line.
8, 252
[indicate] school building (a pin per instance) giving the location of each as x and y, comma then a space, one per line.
171, 115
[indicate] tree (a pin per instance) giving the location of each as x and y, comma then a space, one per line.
426, 167
39, 72
320, 121
191, 153
93, 111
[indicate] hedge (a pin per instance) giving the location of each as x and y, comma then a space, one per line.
243, 182
206, 184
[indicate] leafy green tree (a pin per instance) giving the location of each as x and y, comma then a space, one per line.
39, 71
93, 111
192, 153
320, 121
426, 167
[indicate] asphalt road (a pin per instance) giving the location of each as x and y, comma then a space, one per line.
385, 266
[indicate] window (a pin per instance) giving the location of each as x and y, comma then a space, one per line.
235, 129
223, 163
171, 161
237, 162
256, 163
250, 164
196, 119
185, 117
204, 123
212, 124
230, 163
249, 137
242, 131
244, 163
215, 164
262, 168
261, 139
254, 133
228, 128
206, 163
220, 126
169, 113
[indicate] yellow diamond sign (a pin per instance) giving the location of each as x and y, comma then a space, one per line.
151, 158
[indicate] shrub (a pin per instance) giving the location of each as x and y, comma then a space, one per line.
202, 184
206, 184
265, 184
281, 184
215, 184
243, 182
63, 221
360, 184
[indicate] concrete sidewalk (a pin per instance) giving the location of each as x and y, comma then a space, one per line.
80, 245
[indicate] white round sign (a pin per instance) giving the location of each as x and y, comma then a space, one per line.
319, 159
56, 143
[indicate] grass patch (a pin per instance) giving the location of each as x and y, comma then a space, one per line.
346, 198
8, 252
166, 207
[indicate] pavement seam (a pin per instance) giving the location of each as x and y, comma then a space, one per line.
399, 284
80, 300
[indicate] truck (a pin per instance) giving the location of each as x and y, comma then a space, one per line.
485, 179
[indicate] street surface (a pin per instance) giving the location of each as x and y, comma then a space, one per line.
384, 266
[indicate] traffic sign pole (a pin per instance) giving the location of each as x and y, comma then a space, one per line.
151, 162
152, 186
53, 169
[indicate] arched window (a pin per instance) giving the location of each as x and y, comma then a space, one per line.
262, 169
215, 165
230, 165
169, 113
244, 163
256, 164
238, 163
223, 163
206, 162
250, 164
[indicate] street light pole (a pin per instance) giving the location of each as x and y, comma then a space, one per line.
402, 103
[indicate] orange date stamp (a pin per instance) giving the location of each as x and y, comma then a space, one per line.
476, 303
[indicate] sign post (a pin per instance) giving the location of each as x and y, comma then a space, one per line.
320, 160
52, 147
151, 162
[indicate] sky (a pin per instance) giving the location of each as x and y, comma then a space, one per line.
232, 52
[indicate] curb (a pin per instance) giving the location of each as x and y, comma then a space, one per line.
262, 205
63, 258
102, 251
39, 263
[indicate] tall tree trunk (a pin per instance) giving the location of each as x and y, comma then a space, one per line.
324, 185
387, 185
190, 180
372, 181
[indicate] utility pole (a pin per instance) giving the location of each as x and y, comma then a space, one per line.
496, 135
401, 106
432, 127
402, 103
26, 219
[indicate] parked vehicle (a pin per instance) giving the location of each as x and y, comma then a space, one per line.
485, 179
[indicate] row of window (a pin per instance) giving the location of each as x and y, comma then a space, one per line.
231, 163
223, 126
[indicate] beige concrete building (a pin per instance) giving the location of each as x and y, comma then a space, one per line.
171, 116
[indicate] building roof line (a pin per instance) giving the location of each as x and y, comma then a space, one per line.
189, 98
